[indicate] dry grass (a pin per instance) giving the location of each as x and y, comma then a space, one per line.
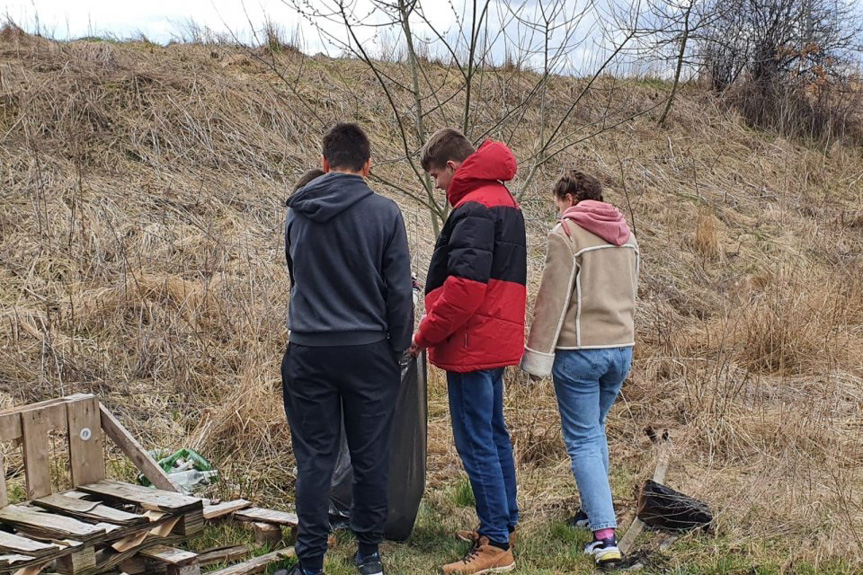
141, 258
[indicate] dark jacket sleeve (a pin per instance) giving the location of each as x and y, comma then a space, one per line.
468, 272
399, 286
288, 218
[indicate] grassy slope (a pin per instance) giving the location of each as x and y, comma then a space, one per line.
140, 258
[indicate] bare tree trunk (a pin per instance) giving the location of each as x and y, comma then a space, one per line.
405, 9
680, 57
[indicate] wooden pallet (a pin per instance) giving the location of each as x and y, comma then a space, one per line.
101, 524
98, 533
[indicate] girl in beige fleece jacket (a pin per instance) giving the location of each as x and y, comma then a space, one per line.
583, 334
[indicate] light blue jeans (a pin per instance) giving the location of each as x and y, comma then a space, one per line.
586, 383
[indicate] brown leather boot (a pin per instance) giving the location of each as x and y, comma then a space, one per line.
472, 536
482, 558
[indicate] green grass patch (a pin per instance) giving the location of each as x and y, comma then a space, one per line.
462, 493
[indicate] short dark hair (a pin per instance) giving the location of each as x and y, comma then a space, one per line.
580, 185
308, 177
445, 145
347, 147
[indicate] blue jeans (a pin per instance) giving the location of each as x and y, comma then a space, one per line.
586, 383
482, 440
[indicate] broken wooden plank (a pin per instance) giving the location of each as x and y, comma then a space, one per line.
34, 429
170, 555
258, 514
86, 458
134, 451
93, 510
224, 508
150, 499
50, 525
256, 564
18, 545
108, 558
222, 555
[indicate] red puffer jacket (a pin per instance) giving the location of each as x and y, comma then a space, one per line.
475, 290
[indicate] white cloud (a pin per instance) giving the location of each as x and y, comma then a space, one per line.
165, 20
159, 20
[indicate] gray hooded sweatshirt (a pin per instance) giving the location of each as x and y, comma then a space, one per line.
349, 264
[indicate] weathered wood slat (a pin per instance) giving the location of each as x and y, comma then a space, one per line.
225, 508
10, 419
41, 523
10, 426
74, 563
257, 564
134, 451
93, 510
14, 559
257, 514
222, 555
34, 428
108, 558
267, 534
4, 498
18, 545
191, 523
150, 499
43, 404
170, 555
86, 457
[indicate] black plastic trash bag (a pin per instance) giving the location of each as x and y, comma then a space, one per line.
661, 507
408, 445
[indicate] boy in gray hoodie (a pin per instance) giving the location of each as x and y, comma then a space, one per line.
350, 320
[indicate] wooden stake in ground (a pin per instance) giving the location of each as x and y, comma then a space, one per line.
663, 459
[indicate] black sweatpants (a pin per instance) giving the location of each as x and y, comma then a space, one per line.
320, 385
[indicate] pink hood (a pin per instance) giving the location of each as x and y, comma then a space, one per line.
600, 219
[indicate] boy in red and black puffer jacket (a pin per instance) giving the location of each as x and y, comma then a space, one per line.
474, 326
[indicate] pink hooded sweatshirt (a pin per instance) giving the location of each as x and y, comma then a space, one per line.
600, 219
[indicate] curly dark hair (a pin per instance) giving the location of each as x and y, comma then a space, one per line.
582, 186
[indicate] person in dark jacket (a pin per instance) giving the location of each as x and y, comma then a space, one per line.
350, 321
474, 327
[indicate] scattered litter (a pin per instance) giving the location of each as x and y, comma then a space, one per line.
187, 468
661, 507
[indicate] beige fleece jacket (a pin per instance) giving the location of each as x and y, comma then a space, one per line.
586, 298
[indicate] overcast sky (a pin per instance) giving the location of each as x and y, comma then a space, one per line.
164, 20
159, 20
